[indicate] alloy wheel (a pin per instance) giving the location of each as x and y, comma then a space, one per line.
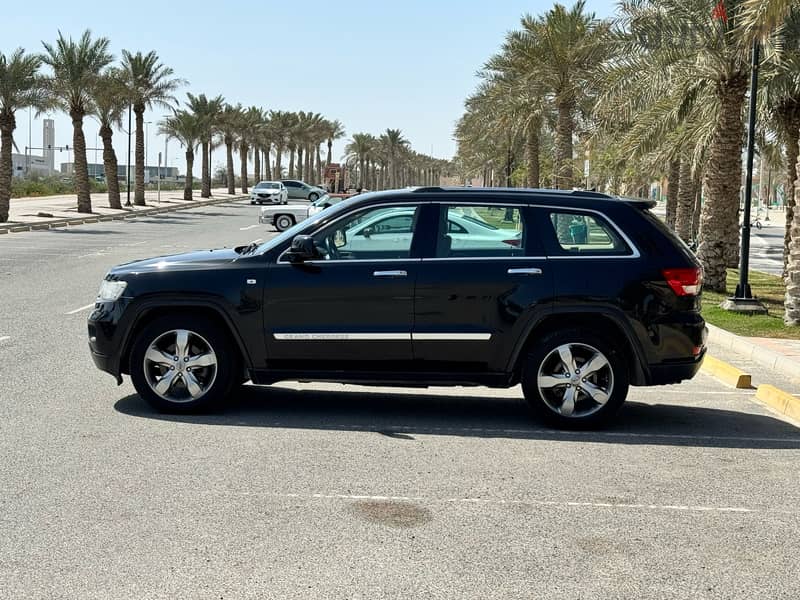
180, 366
575, 380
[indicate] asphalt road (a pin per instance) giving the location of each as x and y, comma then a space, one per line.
766, 245
330, 491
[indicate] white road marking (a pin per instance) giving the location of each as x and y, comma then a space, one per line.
530, 501
77, 310
3, 338
248, 227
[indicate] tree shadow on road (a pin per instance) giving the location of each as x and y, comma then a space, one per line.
402, 415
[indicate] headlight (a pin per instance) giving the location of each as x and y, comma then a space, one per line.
110, 291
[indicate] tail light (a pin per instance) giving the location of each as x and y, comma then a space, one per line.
513, 242
684, 282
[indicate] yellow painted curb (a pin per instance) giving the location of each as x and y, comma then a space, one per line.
783, 402
727, 373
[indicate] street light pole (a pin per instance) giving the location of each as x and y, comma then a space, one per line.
743, 300
128, 176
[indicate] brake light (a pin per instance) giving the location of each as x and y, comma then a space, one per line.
684, 282
514, 242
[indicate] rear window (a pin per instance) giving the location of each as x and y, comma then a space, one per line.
579, 233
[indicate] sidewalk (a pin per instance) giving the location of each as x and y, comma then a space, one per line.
55, 211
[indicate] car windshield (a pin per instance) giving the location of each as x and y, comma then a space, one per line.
268, 185
323, 200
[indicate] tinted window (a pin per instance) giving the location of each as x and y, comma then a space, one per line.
481, 231
581, 233
376, 233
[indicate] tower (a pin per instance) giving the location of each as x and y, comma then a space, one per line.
48, 144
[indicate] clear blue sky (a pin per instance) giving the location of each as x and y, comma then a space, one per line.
370, 64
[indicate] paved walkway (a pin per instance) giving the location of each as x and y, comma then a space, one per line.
46, 208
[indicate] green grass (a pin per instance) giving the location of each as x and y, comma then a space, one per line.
767, 288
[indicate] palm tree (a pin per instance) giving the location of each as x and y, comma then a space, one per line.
76, 70
109, 104
281, 123
247, 133
207, 111
228, 127
357, 151
188, 129
563, 47
334, 131
21, 86
393, 143
150, 84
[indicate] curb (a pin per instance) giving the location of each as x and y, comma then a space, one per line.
726, 373
40, 225
763, 356
781, 401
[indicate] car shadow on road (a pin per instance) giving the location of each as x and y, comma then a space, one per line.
81, 230
403, 415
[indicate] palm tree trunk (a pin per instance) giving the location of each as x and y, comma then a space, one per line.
565, 126
330, 151
291, 162
698, 205
81, 166
205, 179
719, 232
267, 167
138, 185
243, 150
791, 126
685, 202
257, 163
361, 173
278, 156
673, 178
300, 162
318, 173
531, 154
187, 188
229, 165
110, 167
7, 125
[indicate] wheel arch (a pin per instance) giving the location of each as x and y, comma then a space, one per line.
605, 322
157, 308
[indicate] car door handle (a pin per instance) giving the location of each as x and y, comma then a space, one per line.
530, 271
389, 274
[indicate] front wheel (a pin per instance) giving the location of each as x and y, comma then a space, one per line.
313, 196
575, 379
183, 364
283, 222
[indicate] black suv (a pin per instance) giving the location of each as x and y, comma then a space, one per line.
576, 295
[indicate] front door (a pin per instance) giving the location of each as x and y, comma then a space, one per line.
486, 280
354, 303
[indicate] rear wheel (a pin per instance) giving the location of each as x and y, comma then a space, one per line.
183, 364
313, 196
575, 379
283, 222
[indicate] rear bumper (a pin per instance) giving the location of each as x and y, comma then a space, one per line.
675, 372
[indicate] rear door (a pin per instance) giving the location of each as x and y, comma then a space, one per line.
484, 278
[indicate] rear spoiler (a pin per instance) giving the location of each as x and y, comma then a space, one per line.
640, 203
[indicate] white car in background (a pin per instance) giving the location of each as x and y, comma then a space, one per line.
283, 217
269, 192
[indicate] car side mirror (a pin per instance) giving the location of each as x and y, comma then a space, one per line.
302, 249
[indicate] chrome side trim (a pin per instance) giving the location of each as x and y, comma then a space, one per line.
298, 337
481, 258
436, 337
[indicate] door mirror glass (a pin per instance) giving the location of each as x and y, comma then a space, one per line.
340, 238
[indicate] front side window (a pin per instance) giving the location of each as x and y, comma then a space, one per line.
581, 233
373, 234
481, 231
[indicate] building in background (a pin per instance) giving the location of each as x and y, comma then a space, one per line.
97, 171
37, 161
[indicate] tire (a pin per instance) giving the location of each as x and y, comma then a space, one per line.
589, 409
313, 196
213, 381
253, 202
283, 222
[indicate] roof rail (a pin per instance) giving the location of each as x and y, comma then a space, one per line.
435, 188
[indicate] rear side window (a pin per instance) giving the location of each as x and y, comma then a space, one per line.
469, 231
578, 233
